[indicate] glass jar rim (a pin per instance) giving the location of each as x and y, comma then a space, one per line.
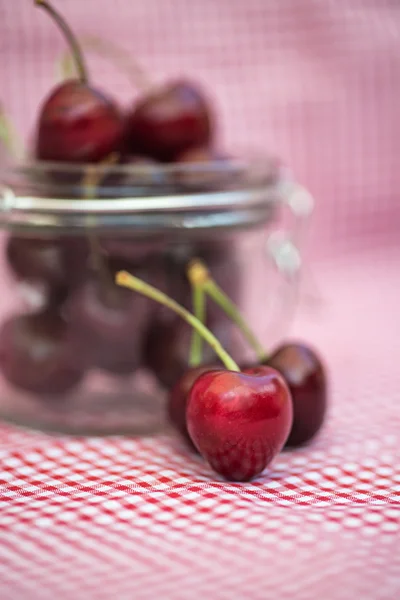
227, 193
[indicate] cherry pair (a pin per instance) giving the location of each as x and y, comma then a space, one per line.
304, 374
239, 421
300, 365
78, 123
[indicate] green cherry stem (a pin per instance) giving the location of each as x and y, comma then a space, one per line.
124, 279
70, 37
116, 55
199, 276
199, 310
91, 180
9, 136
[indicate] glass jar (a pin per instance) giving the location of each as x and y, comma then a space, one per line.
79, 354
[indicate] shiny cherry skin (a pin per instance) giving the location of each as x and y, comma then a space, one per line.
36, 354
239, 421
179, 395
305, 375
169, 121
78, 124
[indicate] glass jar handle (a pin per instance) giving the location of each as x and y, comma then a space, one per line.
284, 248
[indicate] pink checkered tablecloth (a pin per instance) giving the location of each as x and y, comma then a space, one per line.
318, 81
143, 519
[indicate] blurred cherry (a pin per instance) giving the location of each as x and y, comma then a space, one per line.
197, 155
200, 168
132, 249
169, 121
305, 375
108, 324
36, 354
165, 350
77, 123
179, 395
54, 261
136, 175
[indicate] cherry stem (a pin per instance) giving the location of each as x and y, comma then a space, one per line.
200, 277
71, 39
117, 56
199, 310
91, 180
124, 279
9, 137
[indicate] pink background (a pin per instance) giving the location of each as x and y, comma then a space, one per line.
315, 81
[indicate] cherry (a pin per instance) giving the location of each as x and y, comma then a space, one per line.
166, 348
197, 155
132, 249
239, 421
107, 324
135, 175
201, 168
165, 351
305, 375
36, 354
169, 121
179, 395
77, 122
55, 262
299, 364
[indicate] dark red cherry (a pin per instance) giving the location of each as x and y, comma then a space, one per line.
167, 347
239, 421
305, 375
169, 122
179, 395
203, 155
36, 354
77, 123
165, 350
108, 324
200, 168
136, 175
133, 250
54, 261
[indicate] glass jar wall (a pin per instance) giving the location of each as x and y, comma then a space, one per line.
80, 354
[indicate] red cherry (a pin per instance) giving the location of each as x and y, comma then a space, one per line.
77, 122
199, 168
169, 122
239, 421
107, 326
179, 395
37, 354
305, 375
56, 262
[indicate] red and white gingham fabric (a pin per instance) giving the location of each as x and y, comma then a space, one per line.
124, 518
316, 81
